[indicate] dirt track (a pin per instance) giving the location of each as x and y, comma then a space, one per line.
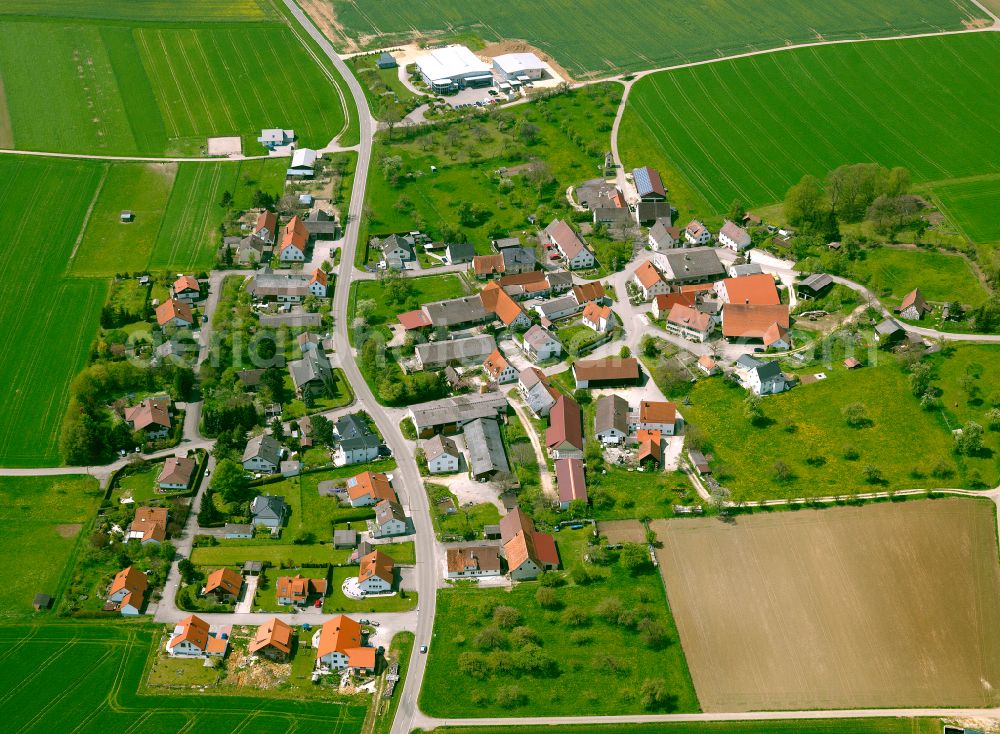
852, 607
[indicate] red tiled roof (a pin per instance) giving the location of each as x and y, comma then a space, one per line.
688, 317
570, 480
488, 264
496, 300
665, 301
414, 320
566, 425
173, 309
657, 411
751, 322
647, 274
294, 234
186, 282
756, 290
606, 369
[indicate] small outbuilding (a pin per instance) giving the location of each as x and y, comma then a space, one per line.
386, 60
42, 602
126, 216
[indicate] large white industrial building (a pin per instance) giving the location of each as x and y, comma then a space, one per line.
519, 67
453, 67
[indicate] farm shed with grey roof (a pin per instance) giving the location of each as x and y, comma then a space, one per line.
485, 446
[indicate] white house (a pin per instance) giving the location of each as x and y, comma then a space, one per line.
649, 281
339, 644
598, 318
442, 455
696, 233
657, 415
734, 237
294, 241
390, 520
193, 638
498, 369
176, 474
262, 454
534, 387
303, 163
369, 488
128, 591
689, 323
664, 236
760, 377
519, 67
561, 236
473, 562
539, 344
611, 420
318, 283
376, 572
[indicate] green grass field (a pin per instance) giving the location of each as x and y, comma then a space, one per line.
42, 518
745, 456
795, 726
748, 129
587, 652
100, 690
418, 291
161, 89
972, 206
941, 277
146, 10
46, 322
642, 38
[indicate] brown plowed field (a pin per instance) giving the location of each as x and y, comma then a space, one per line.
887, 605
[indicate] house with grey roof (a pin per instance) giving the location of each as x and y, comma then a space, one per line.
356, 442
647, 212
457, 312
459, 252
663, 235
518, 260
889, 330
313, 374
321, 224
442, 455
466, 351
813, 286
268, 510
396, 249
611, 420
450, 414
284, 287
559, 281
390, 520
262, 454
540, 344
694, 265
557, 308
485, 448
275, 137
505, 242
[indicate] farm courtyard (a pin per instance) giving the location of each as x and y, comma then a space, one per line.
887, 605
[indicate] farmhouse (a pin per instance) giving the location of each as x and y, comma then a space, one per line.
611, 420
376, 573
466, 351
262, 454
193, 638
663, 235
149, 525
734, 237
265, 228
689, 323
528, 552
593, 373
564, 436
485, 447
498, 369
697, 265
299, 591
598, 318
738, 271
249, 250
518, 260
339, 645
486, 266
594, 291
321, 224
561, 236
519, 67
223, 584
474, 562
913, 306
776, 337
571, 482
539, 344
151, 416
294, 239
741, 321
534, 387
648, 184
649, 281
268, 511
453, 67
525, 285
506, 309
267, 285
557, 308
176, 474
663, 303
450, 414
127, 592
598, 193
272, 138
187, 288
313, 374
174, 312
650, 447
356, 442
754, 290
273, 640
442, 455
369, 488
696, 233
389, 520
657, 416
647, 212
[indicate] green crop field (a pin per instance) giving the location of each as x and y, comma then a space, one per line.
145, 10
795, 726
46, 322
42, 519
644, 37
158, 90
941, 277
972, 206
747, 129
87, 678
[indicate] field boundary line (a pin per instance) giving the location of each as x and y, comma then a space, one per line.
86, 217
147, 159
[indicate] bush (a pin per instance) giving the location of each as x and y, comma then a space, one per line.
523, 636
653, 633
546, 598
654, 694
511, 696
635, 557
506, 617
575, 617
490, 638
856, 415
872, 474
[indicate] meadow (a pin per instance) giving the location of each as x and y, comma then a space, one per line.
972, 207
417, 291
879, 606
102, 689
162, 89
942, 277
795, 726
585, 636
576, 34
805, 432
748, 129
47, 322
146, 10
42, 519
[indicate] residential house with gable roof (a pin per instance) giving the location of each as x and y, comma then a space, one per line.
127, 592
369, 488
564, 436
689, 322
663, 235
442, 455
662, 304
657, 415
396, 250
753, 290
269, 511
339, 644
695, 265
149, 525
696, 233
473, 562
649, 280
356, 442
187, 288
751, 323
540, 344
265, 227
193, 638
498, 369
176, 474
390, 520
732, 236
262, 454
598, 318
611, 420
151, 417
294, 241
174, 312
318, 283
299, 591
528, 552
536, 390
273, 640
223, 585
375, 575
561, 236
914, 306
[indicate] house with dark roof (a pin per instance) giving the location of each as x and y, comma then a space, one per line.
356, 442
441, 454
473, 562
813, 285
648, 184
663, 235
396, 250
534, 387
268, 510
695, 265
611, 420
262, 454
390, 520
448, 415
313, 374
459, 252
466, 351
485, 449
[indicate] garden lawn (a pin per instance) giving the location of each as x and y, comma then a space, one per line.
640, 41
584, 656
47, 322
904, 442
110, 246
792, 726
982, 363
379, 83
416, 291
336, 601
464, 522
161, 89
234, 552
488, 161
898, 103
971, 206
42, 518
104, 689
941, 277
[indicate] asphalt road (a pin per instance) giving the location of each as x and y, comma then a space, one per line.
407, 477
